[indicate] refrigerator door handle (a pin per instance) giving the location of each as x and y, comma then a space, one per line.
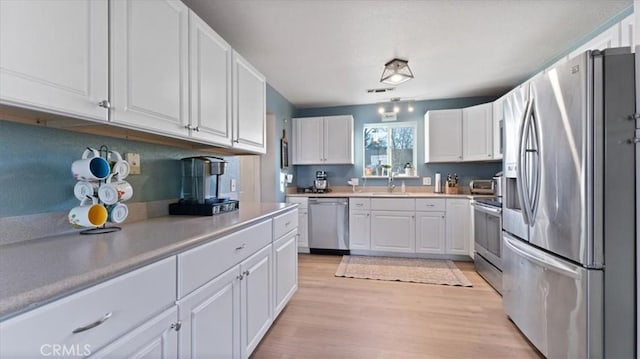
542, 259
523, 170
535, 152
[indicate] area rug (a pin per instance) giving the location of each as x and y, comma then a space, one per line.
418, 270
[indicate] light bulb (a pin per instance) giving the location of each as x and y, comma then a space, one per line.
396, 108
381, 109
410, 108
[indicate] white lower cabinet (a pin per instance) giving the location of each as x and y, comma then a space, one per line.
393, 231
430, 232
285, 273
359, 229
458, 229
256, 308
210, 319
85, 322
154, 339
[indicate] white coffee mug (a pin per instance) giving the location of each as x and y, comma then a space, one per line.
84, 189
91, 167
117, 212
112, 192
88, 214
119, 167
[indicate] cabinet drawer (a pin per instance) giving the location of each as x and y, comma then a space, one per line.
430, 204
303, 202
126, 302
201, 264
393, 204
284, 223
359, 203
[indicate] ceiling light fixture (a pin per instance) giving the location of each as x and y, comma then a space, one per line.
396, 72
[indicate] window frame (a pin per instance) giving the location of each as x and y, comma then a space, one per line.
389, 126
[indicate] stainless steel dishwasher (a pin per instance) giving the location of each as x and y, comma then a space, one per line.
329, 225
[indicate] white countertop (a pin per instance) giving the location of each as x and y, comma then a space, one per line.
36, 272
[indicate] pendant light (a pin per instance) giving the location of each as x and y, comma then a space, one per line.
396, 72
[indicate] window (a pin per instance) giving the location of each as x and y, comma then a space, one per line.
389, 148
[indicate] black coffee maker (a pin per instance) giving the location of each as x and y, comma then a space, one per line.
201, 186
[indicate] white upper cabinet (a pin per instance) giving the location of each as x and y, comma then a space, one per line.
149, 65
338, 140
54, 56
477, 133
210, 73
249, 106
443, 136
498, 128
627, 31
323, 140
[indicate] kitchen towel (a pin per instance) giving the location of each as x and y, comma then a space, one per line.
418, 270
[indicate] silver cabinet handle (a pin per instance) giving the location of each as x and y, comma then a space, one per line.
460, 157
246, 273
243, 246
93, 325
188, 127
287, 224
430, 205
104, 104
236, 141
197, 128
176, 326
240, 277
359, 204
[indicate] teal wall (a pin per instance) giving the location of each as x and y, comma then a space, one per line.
340, 174
35, 168
283, 111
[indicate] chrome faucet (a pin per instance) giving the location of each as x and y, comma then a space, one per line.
390, 185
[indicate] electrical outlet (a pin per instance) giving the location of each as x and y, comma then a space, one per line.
233, 185
134, 162
426, 181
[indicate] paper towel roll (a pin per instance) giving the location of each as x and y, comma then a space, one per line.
438, 184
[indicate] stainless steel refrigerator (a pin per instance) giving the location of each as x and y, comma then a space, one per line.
569, 262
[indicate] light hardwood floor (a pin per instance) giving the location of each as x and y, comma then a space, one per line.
335, 317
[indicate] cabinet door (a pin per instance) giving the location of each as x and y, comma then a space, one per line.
393, 231
458, 227
54, 56
498, 126
210, 72
430, 233
477, 133
443, 136
256, 306
156, 338
359, 229
249, 106
303, 230
285, 260
149, 65
627, 31
307, 140
338, 140
210, 319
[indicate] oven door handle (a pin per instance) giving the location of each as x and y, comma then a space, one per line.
486, 209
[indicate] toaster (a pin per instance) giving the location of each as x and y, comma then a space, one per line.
480, 186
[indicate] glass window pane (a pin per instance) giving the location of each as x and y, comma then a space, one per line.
389, 148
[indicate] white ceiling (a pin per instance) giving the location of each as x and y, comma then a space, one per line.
327, 53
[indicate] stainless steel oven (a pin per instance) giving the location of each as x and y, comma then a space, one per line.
488, 241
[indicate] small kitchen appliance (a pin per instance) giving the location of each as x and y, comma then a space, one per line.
320, 184
480, 186
200, 187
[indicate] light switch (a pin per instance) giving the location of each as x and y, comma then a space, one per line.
426, 181
134, 162
233, 185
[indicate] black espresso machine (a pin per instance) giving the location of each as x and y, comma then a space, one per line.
200, 188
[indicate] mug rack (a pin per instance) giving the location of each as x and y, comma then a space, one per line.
104, 153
